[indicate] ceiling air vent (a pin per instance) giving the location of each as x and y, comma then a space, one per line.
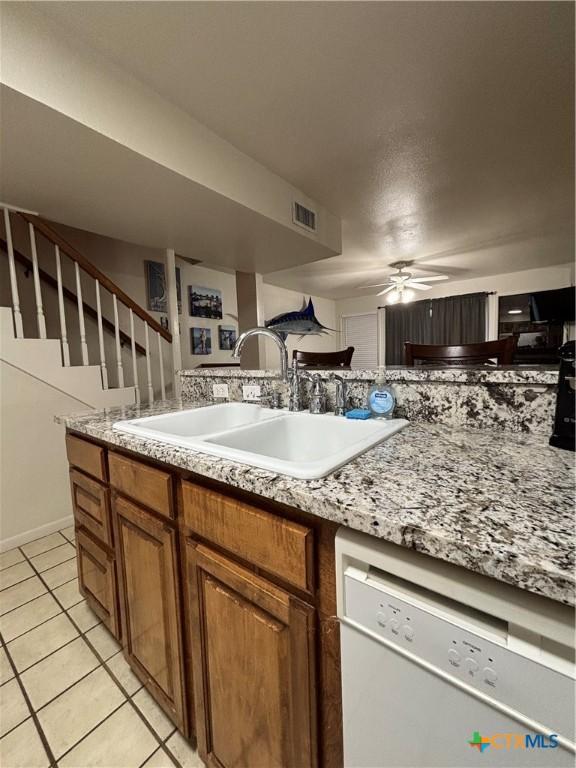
304, 217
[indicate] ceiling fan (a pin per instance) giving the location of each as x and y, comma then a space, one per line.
400, 285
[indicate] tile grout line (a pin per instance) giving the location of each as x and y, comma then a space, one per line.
36, 571
15, 584
52, 566
31, 709
66, 541
102, 663
169, 751
108, 716
164, 748
50, 549
35, 576
17, 637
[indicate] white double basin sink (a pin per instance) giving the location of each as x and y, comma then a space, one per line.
302, 445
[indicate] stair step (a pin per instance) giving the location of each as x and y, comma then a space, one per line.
42, 358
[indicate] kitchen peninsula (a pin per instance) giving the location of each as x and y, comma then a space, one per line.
230, 558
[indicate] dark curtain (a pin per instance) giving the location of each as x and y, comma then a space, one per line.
406, 322
453, 320
458, 319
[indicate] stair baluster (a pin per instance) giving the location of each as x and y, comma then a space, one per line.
134, 361
148, 365
63, 332
37, 225
161, 364
83, 344
118, 345
13, 281
103, 367
41, 320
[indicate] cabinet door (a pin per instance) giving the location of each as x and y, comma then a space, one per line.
150, 605
97, 580
253, 665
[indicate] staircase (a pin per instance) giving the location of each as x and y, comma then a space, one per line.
136, 371
70, 339
41, 359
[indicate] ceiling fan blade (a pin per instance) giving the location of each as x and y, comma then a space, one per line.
386, 290
376, 285
432, 278
423, 265
418, 286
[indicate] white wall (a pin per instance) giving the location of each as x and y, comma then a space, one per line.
34, 485
278, 300
225, 281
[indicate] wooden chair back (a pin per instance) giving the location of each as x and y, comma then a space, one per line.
341, 359
502, 350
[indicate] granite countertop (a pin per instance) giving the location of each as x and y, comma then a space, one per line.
500, 504
513, 374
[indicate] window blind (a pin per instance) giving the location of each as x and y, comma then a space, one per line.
361, 332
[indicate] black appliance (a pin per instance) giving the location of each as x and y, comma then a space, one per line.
563, 436
550, 306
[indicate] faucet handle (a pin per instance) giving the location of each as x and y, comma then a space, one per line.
317, 394
341, 394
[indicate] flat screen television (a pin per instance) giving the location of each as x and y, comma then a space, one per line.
552, 306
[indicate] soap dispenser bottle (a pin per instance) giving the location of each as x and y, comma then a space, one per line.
381, 399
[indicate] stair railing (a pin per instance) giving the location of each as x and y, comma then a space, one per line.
37, 226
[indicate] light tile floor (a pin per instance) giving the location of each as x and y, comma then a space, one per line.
68, 697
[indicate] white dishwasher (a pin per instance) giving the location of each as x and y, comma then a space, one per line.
443, 667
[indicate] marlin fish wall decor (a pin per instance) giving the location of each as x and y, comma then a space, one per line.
301, 323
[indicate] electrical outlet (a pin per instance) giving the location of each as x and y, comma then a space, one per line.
250, 392
219, 390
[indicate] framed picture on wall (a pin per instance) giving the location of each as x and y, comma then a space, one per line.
205, 302
227, 336
156, 290
201, 341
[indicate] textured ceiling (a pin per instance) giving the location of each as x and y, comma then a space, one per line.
441, 132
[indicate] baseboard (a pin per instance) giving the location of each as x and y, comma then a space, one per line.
35, 533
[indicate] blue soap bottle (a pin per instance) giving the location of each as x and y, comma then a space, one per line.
381, 399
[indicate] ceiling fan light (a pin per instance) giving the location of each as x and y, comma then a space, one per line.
407, 295
393, 297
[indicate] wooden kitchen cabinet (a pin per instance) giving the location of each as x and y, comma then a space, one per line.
97, 579
146, 549
253, 666
224, 603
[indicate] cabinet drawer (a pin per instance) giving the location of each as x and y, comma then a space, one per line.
279, 546
86, 456
97, 580
149, 486
91, 506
